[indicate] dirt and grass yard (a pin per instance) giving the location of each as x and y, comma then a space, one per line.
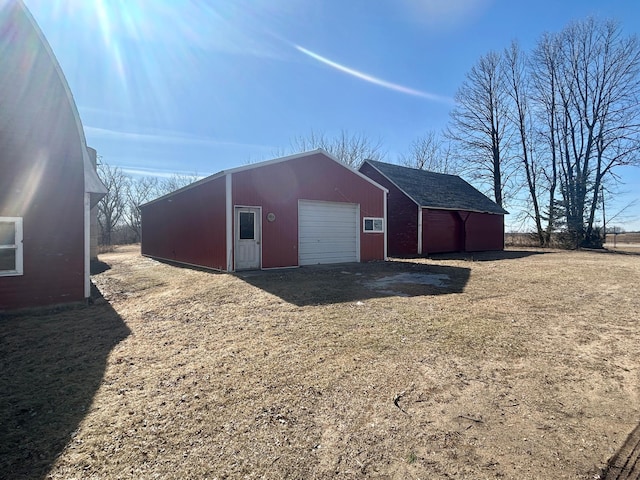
518, 365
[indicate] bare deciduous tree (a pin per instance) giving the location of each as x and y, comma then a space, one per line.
176, 181
569, 113
544, 95
111, 207
350, 148
479, 124
430, 152
138, 192
518, 89
600, 75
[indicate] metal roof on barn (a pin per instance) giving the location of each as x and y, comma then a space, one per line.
437, 190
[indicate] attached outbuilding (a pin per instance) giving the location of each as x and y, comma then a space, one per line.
303, 209
432, 212
47, 182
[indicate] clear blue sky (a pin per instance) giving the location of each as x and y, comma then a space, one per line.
168, 86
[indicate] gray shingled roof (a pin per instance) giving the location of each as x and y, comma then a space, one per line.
437, 190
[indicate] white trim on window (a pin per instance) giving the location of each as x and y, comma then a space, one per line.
373, 225
16, 246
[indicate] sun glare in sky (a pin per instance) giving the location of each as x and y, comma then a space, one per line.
149, 50
135, 44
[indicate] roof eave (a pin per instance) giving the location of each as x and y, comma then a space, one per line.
431, 207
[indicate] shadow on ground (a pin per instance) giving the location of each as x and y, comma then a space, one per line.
51, 364
621, 252
488, 256
625, 464
187, 266
326, 284
98, 266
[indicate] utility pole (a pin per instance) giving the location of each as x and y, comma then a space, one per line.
604, 217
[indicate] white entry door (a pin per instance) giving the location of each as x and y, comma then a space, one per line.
247, 238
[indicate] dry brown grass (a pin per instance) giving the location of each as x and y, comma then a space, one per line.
524, 366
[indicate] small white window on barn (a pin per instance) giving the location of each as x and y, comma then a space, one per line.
373, 225
10, 246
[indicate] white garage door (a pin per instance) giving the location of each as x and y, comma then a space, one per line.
328, 232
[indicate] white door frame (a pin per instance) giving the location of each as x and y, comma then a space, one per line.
247, 252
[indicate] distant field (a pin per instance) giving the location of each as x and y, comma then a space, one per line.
624, 242
521, 364
529, 239
622, 238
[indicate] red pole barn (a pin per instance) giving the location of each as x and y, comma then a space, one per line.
303, 209
436, 213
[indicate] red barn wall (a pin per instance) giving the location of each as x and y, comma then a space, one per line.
188, 227
442, 231
41, 173
484, 231
278, 187
402, 216
50, 199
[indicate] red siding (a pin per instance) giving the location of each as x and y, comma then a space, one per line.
402, 216
188, 227
41, 173
278, 187
53, 228
454, 231
484, 231
442, 231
